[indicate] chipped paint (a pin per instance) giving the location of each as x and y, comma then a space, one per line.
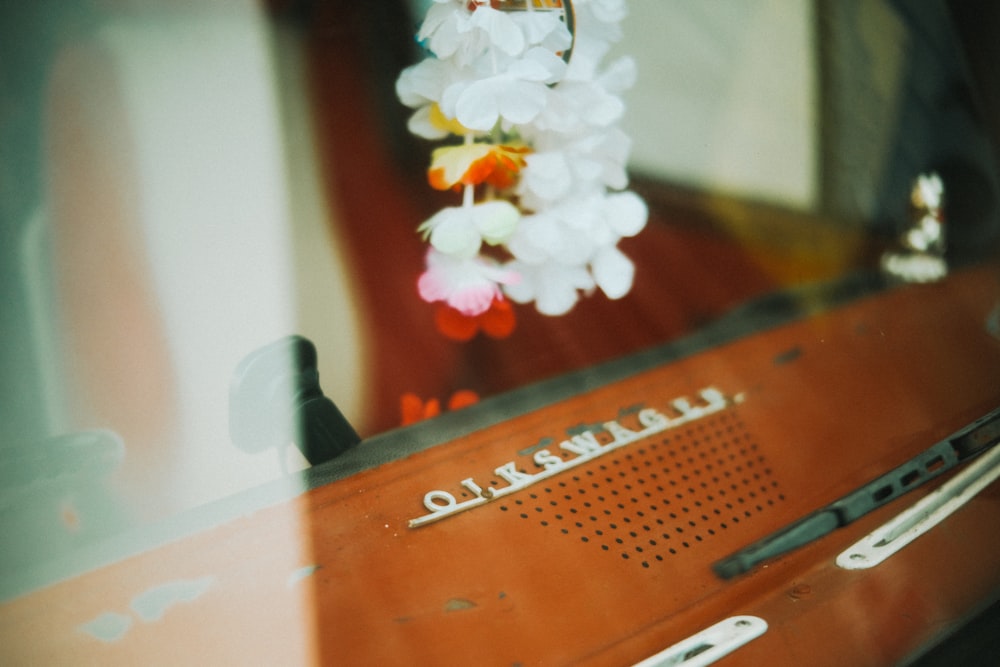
108, 627
154, 603
301, 573
541, 444
149, 606
459, 604
788, 356
69, 516
799, 592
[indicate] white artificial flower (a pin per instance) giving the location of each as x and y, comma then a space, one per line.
626, 213
425, 82
588, 217
582, 165
574, 106
608, 151
544, 237
422, 124
453, 32
499, 29
931, 191
544, 29
613, 272
440, 28
546, 177
554, 288
461, 230
517, 93
619, 76
421, 87
576, 229
596, 31
582, 106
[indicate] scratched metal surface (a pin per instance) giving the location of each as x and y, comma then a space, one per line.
607, 561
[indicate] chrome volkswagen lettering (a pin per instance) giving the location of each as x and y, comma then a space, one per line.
585, 446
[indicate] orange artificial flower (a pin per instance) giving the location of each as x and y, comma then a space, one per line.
413, 409
498, 321
473, 164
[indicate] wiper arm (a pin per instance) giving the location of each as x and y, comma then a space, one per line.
962, 445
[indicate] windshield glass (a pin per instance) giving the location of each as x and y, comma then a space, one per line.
218, 216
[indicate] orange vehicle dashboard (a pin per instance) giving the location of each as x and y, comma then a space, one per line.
594, 519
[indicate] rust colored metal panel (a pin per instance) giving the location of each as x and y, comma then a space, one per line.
584, 532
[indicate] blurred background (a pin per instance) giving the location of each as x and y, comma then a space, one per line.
183, 183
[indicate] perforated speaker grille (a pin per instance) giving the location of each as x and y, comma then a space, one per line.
658, 498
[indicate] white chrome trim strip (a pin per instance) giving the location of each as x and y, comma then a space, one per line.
924, 515
710, 644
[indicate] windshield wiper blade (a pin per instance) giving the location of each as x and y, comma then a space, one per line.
962, 445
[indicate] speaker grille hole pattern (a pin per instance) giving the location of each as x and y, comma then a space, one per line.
660, 497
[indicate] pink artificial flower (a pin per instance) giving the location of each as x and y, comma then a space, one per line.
467, 284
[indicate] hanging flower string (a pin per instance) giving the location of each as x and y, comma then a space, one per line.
534, 149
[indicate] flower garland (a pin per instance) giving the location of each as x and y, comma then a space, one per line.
520, 88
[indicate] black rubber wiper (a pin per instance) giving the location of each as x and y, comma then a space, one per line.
962, 445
